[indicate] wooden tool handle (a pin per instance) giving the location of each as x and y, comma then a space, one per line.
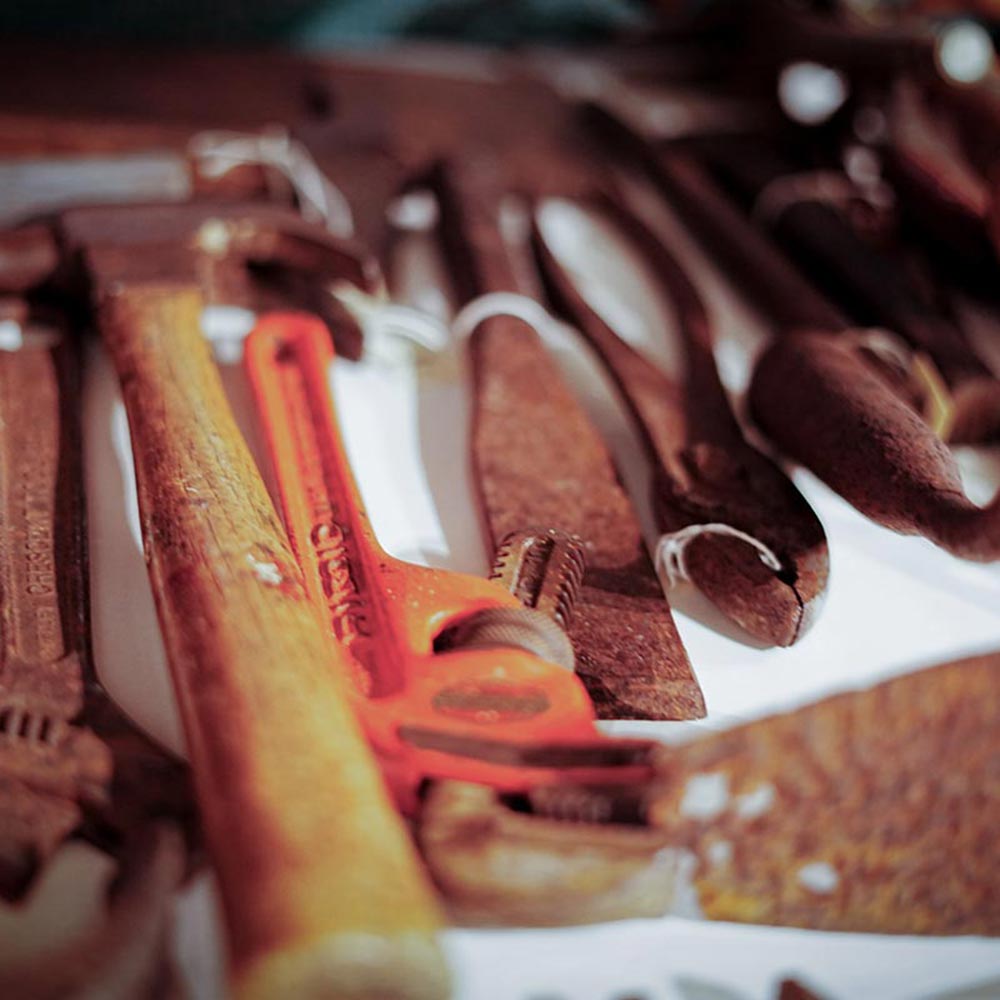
322, 892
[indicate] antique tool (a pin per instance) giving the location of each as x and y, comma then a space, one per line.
834, 816
812, 392
69, 759
540, 462
458, 685
896, 471
875, 288
706, 474
321, 890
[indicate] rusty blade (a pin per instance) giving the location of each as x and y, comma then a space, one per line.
540, 463
872, 811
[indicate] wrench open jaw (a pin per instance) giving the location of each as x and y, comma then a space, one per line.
471, 739
705, 472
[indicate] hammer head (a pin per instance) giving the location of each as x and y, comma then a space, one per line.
239, 253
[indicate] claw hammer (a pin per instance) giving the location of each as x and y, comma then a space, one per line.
322, 892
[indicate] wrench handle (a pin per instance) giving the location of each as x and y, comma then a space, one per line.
321, 889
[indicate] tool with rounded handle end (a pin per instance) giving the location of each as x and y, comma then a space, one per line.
812, 392
322, 892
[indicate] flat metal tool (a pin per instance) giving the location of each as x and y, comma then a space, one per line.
482, 730
824, 381
540, 462
705, 472
870, 811
70, 761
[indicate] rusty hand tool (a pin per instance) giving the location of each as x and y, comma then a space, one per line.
69, 759
321, 889
871, 811
540, 462
896, 470
812, 393
457, 683
705, 471
875, 289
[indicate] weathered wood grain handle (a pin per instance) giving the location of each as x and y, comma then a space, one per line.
322, 892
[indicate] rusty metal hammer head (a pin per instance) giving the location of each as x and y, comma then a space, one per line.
239, 253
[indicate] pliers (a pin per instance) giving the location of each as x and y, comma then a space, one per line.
747, 537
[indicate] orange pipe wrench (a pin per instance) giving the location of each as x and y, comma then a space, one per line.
497, 716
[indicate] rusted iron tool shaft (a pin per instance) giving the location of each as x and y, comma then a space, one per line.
320, 885
50, 769
873, 285
541, 464
70, 761
748, 257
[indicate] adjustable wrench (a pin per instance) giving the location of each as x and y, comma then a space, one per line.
443, 692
